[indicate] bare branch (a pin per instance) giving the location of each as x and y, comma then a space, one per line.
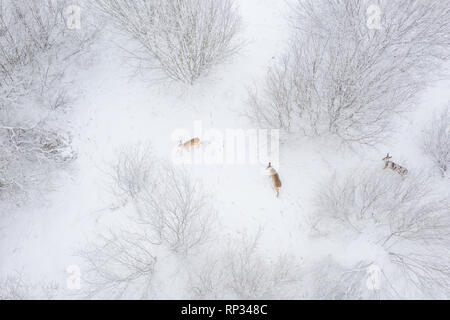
242, 272
183, 39
403, 216
436, 140
340, 79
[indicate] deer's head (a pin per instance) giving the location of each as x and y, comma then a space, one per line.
387, 157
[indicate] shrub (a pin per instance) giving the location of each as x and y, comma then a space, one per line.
242, 272
341, 79
436, 140
183, 39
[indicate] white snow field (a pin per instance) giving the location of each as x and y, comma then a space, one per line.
53, 237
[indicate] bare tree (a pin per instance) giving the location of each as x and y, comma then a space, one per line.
132, 172
166, 207
342, 78
404, 217
183, 39
436, 140
167, 199
243, 272
30, 157
41, 145
177, 209
120, 265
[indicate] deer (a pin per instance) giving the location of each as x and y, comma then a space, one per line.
393, 166
189, 144
275, 178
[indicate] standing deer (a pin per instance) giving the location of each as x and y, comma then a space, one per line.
275, 178
393, 166
189, 144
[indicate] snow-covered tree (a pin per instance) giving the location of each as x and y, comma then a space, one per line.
326, 279
38, 48
119, 264
181, 38
164, 208
436, 140
29, 156
346, 75
166, 199
402, 216
242, 271
16, 286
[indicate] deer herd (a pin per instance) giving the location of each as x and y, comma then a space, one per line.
188, 145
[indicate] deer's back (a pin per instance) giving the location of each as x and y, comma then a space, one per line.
276, 180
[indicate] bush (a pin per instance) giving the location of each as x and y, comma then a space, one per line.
436, 140
28, 159
341, 79
167, 200
183, 39
17, 287
166, 207
403, 217
37, 50
120, 265
132, 172
329, 280
241, 272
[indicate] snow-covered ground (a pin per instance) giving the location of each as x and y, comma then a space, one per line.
115, 110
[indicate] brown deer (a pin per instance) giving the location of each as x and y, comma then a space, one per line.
393, 166
189, 144
275, 178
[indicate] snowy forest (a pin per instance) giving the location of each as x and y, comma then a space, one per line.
224, 149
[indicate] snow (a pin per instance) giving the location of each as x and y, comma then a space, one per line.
115, 110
